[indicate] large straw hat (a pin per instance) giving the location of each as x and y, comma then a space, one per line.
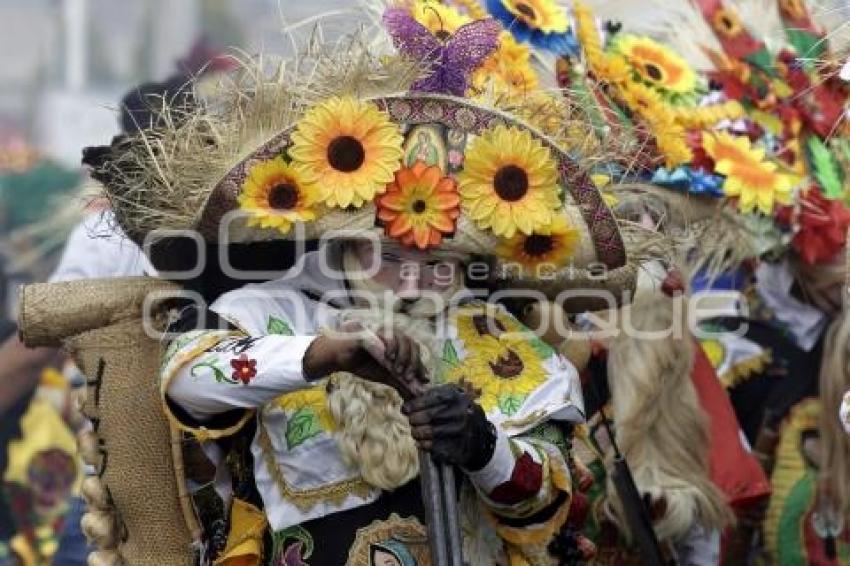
344, 148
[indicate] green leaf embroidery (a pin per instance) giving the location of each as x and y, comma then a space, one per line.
509, 405
543, 350
177, 345
450, 354
552, 434
300, 427
278, 326
219, 374
826, 168
297, 533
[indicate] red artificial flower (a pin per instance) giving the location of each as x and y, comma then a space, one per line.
822, 227
244, 370
701, 161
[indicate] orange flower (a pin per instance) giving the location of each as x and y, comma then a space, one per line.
420, 206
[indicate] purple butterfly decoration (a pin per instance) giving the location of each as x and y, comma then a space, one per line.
453, 58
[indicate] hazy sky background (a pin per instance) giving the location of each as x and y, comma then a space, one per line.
65, 63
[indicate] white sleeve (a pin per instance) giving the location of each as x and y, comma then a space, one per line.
97, 249
219, 372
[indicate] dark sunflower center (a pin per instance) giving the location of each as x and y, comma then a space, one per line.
537, 245
653, 72
283, 196
419, 206
526, 10
507, 366
511, 183
727, 23
485, 326
346, 154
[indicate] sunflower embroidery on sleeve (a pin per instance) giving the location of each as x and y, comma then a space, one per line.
501, 362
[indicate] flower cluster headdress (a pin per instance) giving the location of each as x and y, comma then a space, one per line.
762, 130
368, 142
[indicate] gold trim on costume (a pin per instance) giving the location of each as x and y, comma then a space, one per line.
746, 369
180, 359
305, 500
408, 531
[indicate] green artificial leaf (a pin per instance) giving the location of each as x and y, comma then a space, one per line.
450, 354
764, 60
219, 374
587, 102
278, 326
826, 168
300, 427
509, 404
809, 46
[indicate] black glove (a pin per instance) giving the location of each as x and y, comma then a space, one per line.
446, 422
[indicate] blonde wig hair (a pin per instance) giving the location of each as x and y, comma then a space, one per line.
661, 428
835, 443
373, 435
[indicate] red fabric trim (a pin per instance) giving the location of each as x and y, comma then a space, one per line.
734, 470
526, 481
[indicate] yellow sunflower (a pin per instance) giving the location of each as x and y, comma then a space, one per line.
502, 365
642, 100
794, 9
508, 71
314, 399
509, 182
276, 194
755, 181
727, 22
656, 64
543, 15
552, 246
670, 137
441, 20
349, 149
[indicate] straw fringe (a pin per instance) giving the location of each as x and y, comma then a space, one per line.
161, 179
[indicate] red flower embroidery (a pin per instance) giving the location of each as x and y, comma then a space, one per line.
244, 370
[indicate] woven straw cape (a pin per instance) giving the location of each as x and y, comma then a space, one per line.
137, 455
